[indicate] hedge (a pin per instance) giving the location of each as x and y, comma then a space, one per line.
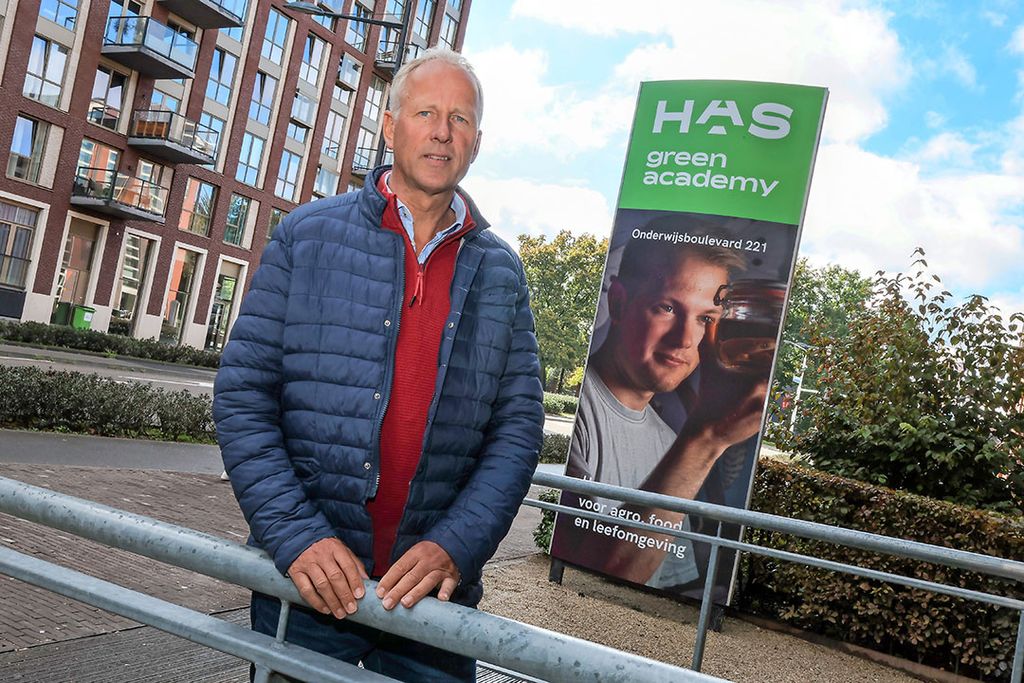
558, 404
555, 449
963, 636
90, 340
89, 404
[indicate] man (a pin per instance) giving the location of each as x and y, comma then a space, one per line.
660, 307
378, 406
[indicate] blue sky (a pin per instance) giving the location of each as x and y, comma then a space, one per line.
923, 142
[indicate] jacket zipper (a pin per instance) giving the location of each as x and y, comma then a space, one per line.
388, 376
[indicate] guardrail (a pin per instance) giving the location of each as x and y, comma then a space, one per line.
983, 564
508, 644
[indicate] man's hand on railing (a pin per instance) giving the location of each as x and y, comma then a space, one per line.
329, 577
416, 573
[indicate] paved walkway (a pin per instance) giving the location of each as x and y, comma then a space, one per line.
46, 638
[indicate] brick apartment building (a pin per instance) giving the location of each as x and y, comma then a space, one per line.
155, 145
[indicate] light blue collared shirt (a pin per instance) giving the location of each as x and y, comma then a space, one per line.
458, 206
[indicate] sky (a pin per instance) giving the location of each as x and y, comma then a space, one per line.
923, 141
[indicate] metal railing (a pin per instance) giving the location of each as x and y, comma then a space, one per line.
508, 644
146, 32
362, 160
111, 186
161, 124
982, 564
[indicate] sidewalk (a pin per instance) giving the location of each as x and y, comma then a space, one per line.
70, 642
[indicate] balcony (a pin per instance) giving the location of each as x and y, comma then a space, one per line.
208, 13
118, 195
387, 52
362, 161
172, 137
149, 47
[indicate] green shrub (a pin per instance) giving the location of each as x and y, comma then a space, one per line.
89, 404
965, 636
542, 534
101, 342
558, 404
555, 449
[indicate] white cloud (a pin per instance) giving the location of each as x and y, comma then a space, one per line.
516, 205
845, 45
996, 19
934, 119
956, 63
949, 148
1017, 40
869, 212
523, 112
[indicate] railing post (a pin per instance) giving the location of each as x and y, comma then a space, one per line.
706, 604
1018, 653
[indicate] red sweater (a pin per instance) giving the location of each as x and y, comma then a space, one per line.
424, 312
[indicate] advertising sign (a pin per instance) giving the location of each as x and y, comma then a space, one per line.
689, 319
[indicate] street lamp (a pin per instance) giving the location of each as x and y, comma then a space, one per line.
403, 32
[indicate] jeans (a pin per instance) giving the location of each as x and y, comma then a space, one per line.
379, 651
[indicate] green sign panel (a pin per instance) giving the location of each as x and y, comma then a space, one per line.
728, 148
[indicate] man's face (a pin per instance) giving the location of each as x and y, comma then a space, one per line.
661, 325
435, 135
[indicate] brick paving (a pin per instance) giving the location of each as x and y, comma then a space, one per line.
32, 616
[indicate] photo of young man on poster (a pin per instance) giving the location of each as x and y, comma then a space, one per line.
660, 406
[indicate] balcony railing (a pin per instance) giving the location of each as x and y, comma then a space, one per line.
117, 194
362, 161
173, 137
209, 13
146, 45
387, 52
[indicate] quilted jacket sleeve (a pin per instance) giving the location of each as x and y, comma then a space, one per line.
247, 412
483, 512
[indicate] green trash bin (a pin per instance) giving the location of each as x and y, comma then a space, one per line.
61, 314
81, 317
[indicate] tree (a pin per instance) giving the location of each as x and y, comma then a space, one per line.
564, 278
829, 297
922, 394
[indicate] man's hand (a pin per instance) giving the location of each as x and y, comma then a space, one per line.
416, 573
329, 577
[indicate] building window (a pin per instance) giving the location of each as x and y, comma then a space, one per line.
326, 183
179, 292
449, 31
238, 215
327, 22
96, 155
27, 149
374, 99
455, 5
250, 159
424, 13
61, 12
197, 209
17, 227
312, 60
275, 37
297, 132
222, 73
216, 125
387, 46
45, 77
334, 133
276, 216
107, 97
129, 289
164, 102
263, 93
288, 176
355, 32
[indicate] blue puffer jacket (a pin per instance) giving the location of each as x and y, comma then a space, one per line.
304, 383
